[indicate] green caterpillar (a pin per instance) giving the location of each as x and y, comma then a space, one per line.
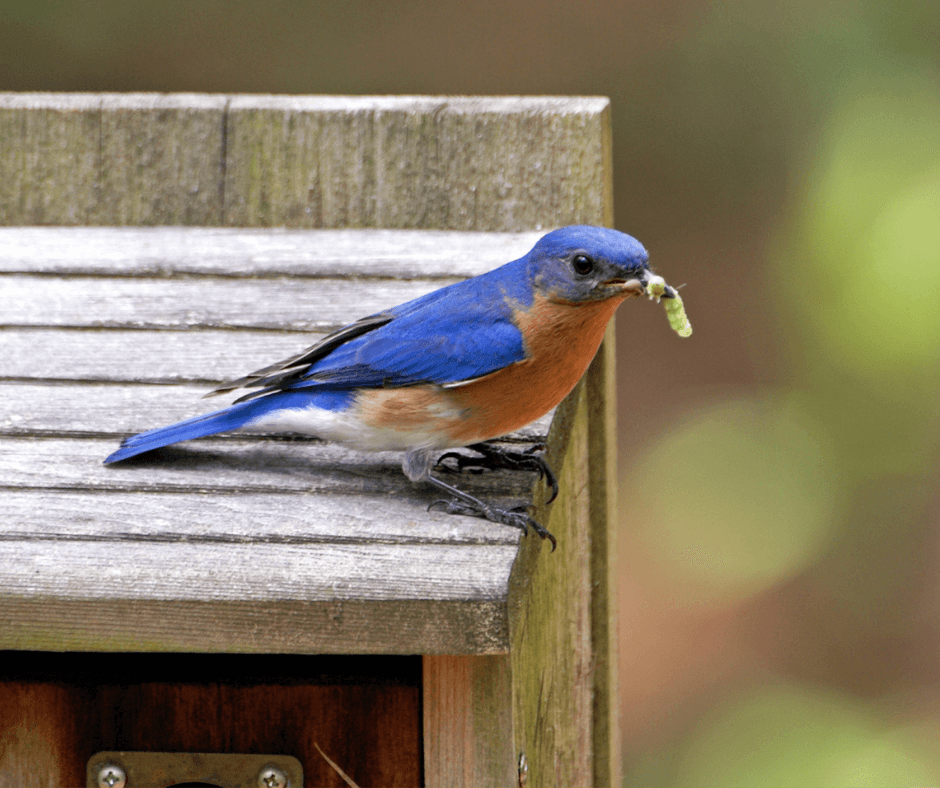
675, 309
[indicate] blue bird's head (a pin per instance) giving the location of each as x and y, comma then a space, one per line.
585, 263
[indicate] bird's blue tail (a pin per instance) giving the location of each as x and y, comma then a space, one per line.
220, 421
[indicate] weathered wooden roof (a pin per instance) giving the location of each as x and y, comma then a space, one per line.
246, 543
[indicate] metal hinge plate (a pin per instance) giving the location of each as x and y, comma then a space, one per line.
112, 769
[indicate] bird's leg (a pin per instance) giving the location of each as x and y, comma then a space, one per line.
495, 457
417, 467
468, 505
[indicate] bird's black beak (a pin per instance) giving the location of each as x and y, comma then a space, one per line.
635, 286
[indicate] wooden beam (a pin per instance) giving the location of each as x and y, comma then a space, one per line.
468, 731
457, 163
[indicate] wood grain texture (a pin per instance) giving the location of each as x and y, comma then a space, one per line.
182, 304
39, 733
467, 706
424, 162
602, 432
31, 354
235, 252
553, 655
164, 159
50, 158
562, 612
490, 164
242, 548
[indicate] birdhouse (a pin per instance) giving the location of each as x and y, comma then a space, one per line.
252, 609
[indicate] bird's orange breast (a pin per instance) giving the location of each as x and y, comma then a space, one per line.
561, 339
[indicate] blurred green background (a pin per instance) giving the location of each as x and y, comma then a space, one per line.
780, 610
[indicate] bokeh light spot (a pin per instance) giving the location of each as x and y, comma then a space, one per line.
733, 499
794, 736
863, 274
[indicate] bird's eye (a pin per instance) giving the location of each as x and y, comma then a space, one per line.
582, 264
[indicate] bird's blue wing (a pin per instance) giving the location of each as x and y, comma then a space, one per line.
423, 348
453, 334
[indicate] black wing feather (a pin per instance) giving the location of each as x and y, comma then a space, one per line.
280, 375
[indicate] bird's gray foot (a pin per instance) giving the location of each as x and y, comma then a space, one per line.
466, 504
494, 457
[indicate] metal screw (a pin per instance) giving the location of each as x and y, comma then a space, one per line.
523, 770
111, 776
272, 777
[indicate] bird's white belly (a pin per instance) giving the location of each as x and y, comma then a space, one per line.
350, 428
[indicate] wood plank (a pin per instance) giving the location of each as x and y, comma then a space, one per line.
148, 517
238, 252
62, 409
218, 509
301, 161
272, 517
605, 520
41, 735
341, 258
424, 162
566, 651
468, 737
235, 464
203, 357
498, 154
102, 614
276, 626
164, 159
552, 651
103, 302
242, 570
319, 552
141, 158
50, 158
495, 164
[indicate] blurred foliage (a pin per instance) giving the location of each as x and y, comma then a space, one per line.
824, 482
786, 735
867, 329
735, 498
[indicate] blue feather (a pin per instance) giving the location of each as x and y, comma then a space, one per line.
460, 332
232, 418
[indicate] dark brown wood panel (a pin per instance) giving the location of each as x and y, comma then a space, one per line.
61, 709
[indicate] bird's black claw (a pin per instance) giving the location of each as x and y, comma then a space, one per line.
494, 458
462, 462
517, 517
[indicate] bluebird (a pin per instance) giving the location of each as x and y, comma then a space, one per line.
463, 365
